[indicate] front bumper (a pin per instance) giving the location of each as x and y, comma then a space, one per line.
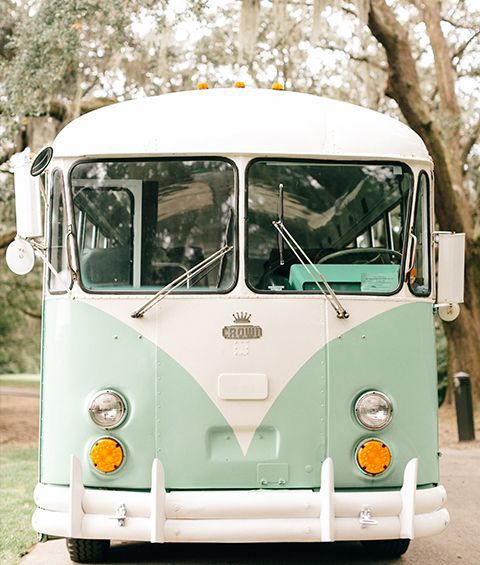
239, 516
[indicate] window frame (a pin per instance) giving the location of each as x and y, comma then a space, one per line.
407, 223
428, 244
49, 272
145, 292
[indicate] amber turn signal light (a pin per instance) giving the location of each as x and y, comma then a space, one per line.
373, 457
106, 455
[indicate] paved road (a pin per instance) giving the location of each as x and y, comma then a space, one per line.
459, 544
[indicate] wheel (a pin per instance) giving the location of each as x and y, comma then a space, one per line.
88, 550
387, 547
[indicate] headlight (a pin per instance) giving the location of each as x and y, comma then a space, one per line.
108, 409
374, 410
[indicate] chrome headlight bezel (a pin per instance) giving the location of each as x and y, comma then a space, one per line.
94, 411
362, 419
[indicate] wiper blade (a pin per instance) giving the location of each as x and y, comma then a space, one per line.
181, 280
330, 295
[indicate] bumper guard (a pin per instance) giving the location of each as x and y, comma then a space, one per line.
239, 516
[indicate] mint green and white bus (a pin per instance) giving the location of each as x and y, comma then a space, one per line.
238, 323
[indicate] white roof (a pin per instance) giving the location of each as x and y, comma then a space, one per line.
239, 122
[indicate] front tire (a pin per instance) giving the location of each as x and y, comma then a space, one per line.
88, 550
386, 548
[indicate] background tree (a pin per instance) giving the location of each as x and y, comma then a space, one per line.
449, 136
417, 60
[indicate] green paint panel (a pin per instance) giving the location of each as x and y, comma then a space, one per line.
86, 351
199, 449
171, 417
393, 353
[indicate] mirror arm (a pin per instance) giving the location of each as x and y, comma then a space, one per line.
41, 252
437, 233
43, 192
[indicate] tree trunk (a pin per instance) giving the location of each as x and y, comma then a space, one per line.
463, 334
441, 135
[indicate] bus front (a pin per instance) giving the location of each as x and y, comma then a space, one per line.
238, 342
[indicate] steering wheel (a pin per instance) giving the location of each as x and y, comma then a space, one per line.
379, 252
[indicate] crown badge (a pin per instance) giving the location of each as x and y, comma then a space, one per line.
242, 328
241, 318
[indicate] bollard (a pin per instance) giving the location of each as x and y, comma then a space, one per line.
464, 406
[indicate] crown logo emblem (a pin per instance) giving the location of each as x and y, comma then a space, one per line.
242, 328
241, 318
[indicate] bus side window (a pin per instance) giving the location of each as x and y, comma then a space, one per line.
420, 273
58, 232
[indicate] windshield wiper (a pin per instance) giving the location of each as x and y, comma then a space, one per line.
181, 280
330, 295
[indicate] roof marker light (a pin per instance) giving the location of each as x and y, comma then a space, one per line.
239, 84
277, 86
202, 86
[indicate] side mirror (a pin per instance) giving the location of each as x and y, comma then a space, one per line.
450, 274
28, 205
20, 256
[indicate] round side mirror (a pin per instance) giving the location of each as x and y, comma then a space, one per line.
20, 256
449, 313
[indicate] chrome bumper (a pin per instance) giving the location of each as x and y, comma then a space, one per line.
239, 516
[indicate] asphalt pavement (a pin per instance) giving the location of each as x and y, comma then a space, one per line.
460, 543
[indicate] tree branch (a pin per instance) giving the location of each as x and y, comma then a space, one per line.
459, 52
444, 70
7, 238
360, 59
29, 313
452, 207
457, 25
5, 156
470, 142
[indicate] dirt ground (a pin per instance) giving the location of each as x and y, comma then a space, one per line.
19, 420
18, 416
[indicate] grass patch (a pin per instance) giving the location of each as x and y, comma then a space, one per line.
23, 379
18, 478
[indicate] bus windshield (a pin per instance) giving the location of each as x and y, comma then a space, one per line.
348, 218
142, 223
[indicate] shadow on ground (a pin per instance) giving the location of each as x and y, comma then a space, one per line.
238, 554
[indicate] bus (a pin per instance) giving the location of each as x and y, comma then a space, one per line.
238, 335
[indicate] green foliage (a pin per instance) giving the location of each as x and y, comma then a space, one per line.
442, 363
20, 304
17, 481
20, 301
57, 46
